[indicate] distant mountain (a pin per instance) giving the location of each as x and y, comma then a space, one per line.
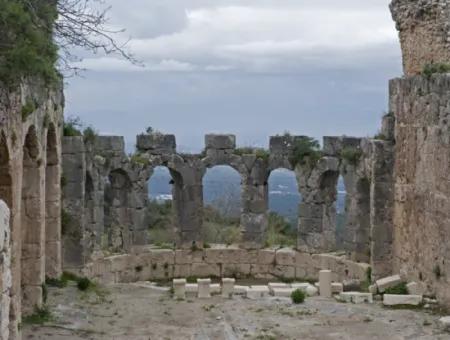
222, 189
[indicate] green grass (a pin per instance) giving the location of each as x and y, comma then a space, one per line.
399, 289
435, 68
39, 317
305, 151
60, 282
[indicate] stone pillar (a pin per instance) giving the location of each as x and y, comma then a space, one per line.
227, 288
5, 270
325, 283
204, 288
424, 28
179, 288
317, 211
74, 179
255, 202
381, 207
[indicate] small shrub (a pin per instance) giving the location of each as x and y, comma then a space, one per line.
68, 276
305, 151
60, 282
27, 109
89, 134
84, 284
72, 127
39, 317
191, 279
380, 136
351, 155
399, 289
138, 269
435, 68
298, 296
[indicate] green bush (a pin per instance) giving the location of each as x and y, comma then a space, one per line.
27, 109
305, 151
84, 284
280, 232
399, 289
26, 43
89, 134
298, 296
72, 127
351, 155
435, 68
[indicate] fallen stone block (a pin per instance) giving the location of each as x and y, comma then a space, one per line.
283, 292
373, 289
215, 288
325, 283
355, 297
204, 288
351, 285
414, 288
444, 322
337, 287
227, 287
179, 288
240, 290
388, 282
302, 286
257, 292
393, 300
311, 290
191, 288
273, 285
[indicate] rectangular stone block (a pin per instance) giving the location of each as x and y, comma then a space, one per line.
356, 297
392, 300
257, 292
283, 292
214, 141
179, 288
156, 144
236, 270
325, 283
266, 256
205, 270
240, 290
273, 285
204, 288
191, 288
228, 287
215, 288
285, 257
388, 282
414, 288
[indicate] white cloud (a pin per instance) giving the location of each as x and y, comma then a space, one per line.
263, 36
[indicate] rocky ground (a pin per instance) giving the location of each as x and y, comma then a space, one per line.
136, 312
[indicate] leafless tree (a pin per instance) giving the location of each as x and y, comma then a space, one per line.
84, 24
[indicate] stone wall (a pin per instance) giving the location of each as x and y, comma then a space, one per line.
424, 27
422, 186
106, 193
30, 159
147, 263
5, 270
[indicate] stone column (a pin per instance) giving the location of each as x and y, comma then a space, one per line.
381, 207
255, 203
73, 178
325, 283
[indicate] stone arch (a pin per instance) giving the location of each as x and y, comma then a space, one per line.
223, 203
52, 206
5, 172
33, 224
283, 205
343, 206
117, 195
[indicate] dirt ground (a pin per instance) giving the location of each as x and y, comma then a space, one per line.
136, 312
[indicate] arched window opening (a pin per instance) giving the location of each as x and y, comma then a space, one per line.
222, 191
341, 212
284, 201
118, 222
160, 212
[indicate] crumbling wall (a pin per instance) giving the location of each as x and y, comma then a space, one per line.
424, 27
30, 160
422, 188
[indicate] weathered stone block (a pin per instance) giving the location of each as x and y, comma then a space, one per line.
325, 283
285, 257
156, 144
228, 287
205, 270
282, 292
388, 282
257, 292
204, 288
392, 300
220, 142
179, 288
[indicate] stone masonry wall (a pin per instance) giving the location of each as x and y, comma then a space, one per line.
422, 183
147, 263
31, 123
424, 27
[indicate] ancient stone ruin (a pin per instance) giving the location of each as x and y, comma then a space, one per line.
82, 204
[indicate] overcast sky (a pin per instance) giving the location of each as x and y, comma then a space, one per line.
249, 67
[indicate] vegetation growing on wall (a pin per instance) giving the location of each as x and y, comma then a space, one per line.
351, 155
436, 68
258, 152
305, 151
26, 42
